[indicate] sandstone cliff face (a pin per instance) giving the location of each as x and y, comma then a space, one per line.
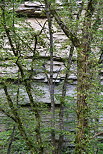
31, 9
39, 79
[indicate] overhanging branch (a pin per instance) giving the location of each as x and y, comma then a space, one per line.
72, 36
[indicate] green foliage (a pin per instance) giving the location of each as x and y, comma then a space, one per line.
4, 136
21, 88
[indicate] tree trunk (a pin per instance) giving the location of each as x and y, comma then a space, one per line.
82, 107
62, 102
51, 84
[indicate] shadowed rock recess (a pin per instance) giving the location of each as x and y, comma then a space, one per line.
30, 9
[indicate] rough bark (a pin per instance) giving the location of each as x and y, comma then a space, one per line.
83, 78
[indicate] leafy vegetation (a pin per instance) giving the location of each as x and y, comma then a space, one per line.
67, 124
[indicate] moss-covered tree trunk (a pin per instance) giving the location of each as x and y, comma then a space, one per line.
82, 106
84, 82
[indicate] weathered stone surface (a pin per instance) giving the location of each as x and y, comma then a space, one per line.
39, 78
34, 4
31, 9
